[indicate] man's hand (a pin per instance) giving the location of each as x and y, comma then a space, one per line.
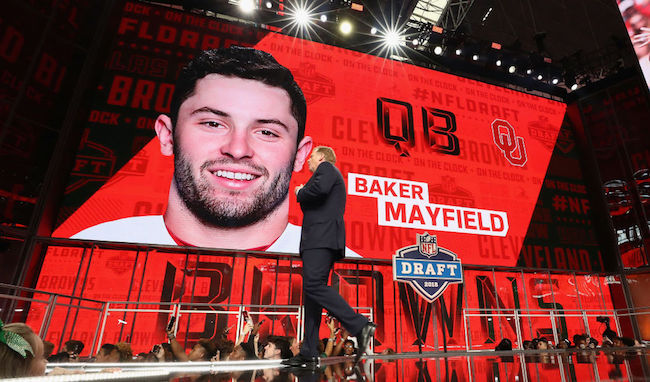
298, 188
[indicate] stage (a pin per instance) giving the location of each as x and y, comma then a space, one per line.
552, 365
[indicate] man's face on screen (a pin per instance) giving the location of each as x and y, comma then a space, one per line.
234, 150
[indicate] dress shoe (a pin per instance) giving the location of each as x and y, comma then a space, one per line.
364, 338
301, 361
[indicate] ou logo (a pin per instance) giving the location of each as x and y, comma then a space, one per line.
509, 143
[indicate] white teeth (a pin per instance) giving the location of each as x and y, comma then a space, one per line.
234, 175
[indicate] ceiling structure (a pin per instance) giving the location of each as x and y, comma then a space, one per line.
573, 41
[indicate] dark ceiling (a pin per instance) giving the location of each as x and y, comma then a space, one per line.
584, 39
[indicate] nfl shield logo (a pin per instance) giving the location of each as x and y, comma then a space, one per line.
428, 268
428, 244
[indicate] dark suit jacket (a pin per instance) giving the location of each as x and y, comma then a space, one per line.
322, 201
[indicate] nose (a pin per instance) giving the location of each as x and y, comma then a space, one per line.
237, 145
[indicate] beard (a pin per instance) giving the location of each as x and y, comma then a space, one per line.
229, 211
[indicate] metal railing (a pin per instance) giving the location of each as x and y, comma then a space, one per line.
174, 309
517, 315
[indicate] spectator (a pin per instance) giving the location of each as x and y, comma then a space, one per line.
528, 345
21, 351
579, 341
593, 343
224, 347
295, 346
564, 344
48, 348
330, 343
163, 352
542, 343
203, 350
108, 353
505, 344
277, 348
70, 352
124, 349
349, 347
609, 335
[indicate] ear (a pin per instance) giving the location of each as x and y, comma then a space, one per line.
304, 148
165, 132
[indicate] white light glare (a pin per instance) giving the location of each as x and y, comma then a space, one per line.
437, 50
475, 57
458, 52
392, 38
373, 30
415, 42
574, 86
498, 62
540, 77
247, 6
323, 18
555, 81
269, 4
345, 27
302, 16
529, 71
512, 69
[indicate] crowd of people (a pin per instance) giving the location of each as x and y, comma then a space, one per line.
24, 353
580, 341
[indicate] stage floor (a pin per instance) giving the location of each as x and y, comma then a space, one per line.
553, 366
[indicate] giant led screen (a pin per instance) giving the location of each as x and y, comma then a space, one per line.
636, 15
420, 150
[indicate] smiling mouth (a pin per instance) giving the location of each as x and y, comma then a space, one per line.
231, 175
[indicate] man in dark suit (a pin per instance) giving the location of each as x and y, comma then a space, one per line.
322, 200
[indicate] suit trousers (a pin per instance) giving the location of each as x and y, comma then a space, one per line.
316, 267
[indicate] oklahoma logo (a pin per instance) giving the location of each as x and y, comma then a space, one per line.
512, 146
428, 268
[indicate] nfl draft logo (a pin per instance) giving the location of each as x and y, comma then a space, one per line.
428, 268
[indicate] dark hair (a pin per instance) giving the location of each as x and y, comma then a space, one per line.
169, 353
627, 341
209, 346
74, 346
505, 344
283, 344
609, 333
108, 348
241, 62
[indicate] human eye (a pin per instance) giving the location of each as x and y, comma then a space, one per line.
266, 133
212, 124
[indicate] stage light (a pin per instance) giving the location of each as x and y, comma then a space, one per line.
373, 30
529, 71
269, 4
475, 57
247, 6
415, 42
555, 81
302, 16
512, 69
574, 87
498, 63
437, 50
392, 38
346, 27
323, 18
458, 52
540, 77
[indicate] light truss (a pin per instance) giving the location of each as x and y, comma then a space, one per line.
454, 14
